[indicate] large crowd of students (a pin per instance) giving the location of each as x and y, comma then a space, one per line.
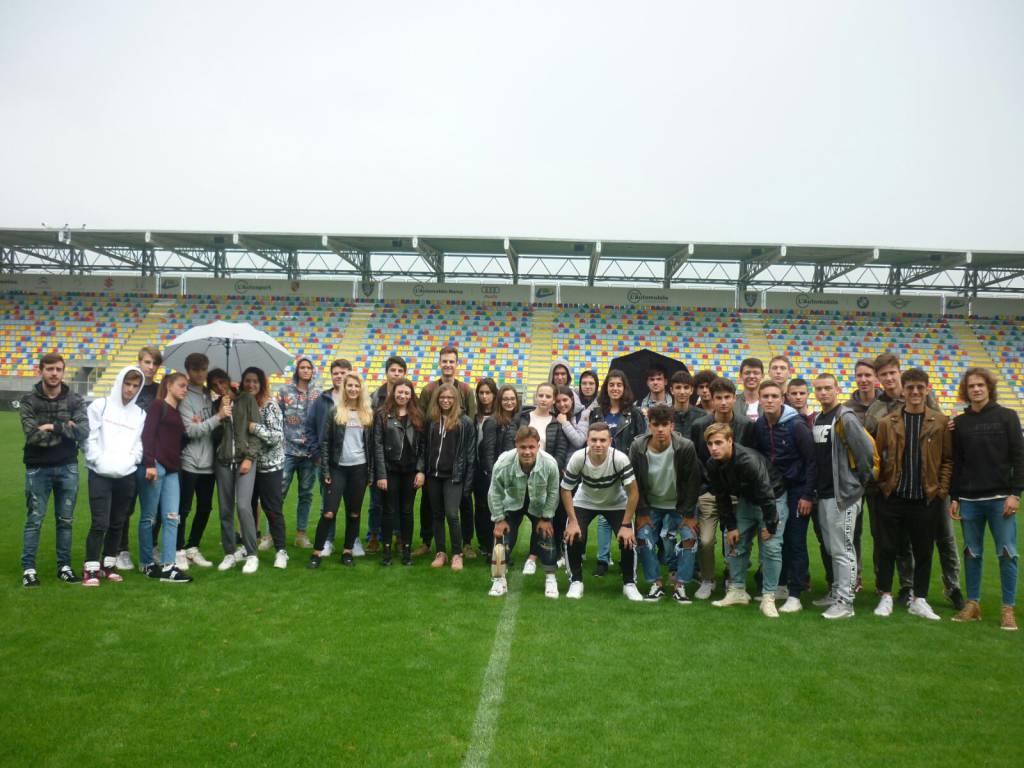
662, 475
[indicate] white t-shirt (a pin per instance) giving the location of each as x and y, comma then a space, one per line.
540, 423
661, 471
600, 487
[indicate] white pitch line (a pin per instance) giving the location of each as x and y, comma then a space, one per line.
486, 723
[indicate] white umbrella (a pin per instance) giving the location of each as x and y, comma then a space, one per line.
231, 346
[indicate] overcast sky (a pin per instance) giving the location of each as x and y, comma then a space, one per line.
874, 123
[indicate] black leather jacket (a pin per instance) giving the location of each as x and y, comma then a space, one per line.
632, 424
390, 439
688, 474
334, 440
746, 475
465, 451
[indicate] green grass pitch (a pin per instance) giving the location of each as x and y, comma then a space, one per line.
386, 667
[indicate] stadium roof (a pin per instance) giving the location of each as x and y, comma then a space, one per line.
441, 258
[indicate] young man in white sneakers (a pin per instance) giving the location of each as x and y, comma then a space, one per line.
916, 447
845, 458
113, 452
599, 482
524, 482
668, 480
737, 471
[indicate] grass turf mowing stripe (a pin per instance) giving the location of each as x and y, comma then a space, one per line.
485, 723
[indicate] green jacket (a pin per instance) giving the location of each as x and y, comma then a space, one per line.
509, 485
234, 443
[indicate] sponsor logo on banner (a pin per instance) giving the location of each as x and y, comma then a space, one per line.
956, 303
367, 288
108, 283
898, 303
491, 290
636, 296
805, 300
294, 285
750, 298
9, 281
545, 293
244, 286
168, 284
426, 290
863, 302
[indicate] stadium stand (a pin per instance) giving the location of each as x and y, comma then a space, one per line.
1003, 339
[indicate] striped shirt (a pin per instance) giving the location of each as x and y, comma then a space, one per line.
910, 486
601, 487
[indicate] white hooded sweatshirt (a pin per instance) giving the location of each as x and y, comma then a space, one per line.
114, 445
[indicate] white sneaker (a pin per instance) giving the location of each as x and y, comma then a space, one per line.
560, 563
240, 553
196, 558
265, 544
124, 561
884, 606
575, 591
632, 593
839, 611
551, 586
251, 564
227, 563
792, 605
281, 559
733, 596
498, 587
328, 548
180, 561
768, 607
704, 590
529, 567
826, 601
357, 549
919, 607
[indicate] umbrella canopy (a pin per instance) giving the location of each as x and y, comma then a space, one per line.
636, 364
231, 346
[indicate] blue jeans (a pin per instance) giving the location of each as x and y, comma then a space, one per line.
39, 482
162, 494
796, 565
604, 540
975, 515
306, 469
749, 522
666, 524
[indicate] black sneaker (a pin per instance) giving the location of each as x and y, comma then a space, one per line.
385, 557
29, 579
601, 569
406, 555
153, 571
67, 575
655, 594
314, 562
680, 596
903, 598
956, 597
173, 576
347, 559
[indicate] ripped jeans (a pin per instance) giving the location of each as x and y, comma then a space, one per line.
680, 545
62, 481
975, 515
164, 495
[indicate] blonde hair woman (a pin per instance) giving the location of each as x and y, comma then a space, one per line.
344, 459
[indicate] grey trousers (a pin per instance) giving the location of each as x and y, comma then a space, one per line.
232, 489
837, 527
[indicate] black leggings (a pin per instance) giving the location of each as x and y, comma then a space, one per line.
348, 483
110, 501
482, 518
398, 501
627, 557
200, 486
269, 489
445, 498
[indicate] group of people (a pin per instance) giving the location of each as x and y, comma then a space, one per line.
662, 475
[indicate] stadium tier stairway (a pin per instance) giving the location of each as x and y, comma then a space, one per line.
819, 341
146, 333
591, 336
81, 326
1002, 341
493, 339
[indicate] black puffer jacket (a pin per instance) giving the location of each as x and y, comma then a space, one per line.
746, 475
556, 443
632, 424
334, 441
390, 439
465, 450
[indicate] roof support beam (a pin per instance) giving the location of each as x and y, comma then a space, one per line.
675, 262
826, 273
513, 260
265, 251
911, 274
595, 260
348, 253
431, 255
758, 262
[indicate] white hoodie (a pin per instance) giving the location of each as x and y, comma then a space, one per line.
114, 445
